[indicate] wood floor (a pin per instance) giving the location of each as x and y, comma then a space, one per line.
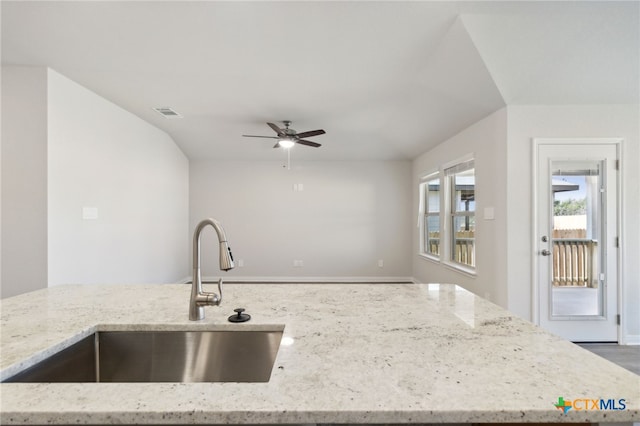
625, 356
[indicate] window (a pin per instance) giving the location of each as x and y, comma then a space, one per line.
430, 191
461, 187
447, 215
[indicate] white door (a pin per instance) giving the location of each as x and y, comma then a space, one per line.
576, 243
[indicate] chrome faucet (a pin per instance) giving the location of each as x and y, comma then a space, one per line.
199, 298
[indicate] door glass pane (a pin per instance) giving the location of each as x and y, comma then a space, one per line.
575, 241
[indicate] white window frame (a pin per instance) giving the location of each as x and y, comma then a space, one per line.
446, 213
464, 164
424, 213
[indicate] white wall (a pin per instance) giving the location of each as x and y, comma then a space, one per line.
527, 122
63, 148
104, 157
349, 215
24, 180
486, 139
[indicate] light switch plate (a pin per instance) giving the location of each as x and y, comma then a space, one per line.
89, 213
489, 213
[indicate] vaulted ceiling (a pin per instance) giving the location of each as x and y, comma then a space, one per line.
386, 80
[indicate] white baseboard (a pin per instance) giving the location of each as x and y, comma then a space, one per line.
631, 339
240, 279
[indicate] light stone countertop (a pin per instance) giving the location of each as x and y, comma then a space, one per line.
361, 353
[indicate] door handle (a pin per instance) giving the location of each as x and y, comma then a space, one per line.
545, 252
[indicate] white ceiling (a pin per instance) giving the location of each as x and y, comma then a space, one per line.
386, 80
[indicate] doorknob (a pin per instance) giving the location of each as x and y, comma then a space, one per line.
545, 252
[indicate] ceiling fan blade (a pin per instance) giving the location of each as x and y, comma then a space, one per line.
311, 133
276, 129
308, 143
277, 145
267, 137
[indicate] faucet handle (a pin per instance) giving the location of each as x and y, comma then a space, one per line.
219, 291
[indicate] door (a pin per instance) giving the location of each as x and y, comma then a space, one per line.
576, 242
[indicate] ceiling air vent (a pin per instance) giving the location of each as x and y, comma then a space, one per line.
167, 112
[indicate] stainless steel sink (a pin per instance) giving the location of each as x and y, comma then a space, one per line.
161, 356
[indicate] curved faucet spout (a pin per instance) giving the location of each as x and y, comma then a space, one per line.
226, 257
199, 298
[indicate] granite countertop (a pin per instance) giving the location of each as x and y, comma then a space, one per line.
361, 353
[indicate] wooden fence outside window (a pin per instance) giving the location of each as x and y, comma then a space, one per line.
464, 250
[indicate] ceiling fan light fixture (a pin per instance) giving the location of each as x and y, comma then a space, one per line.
286, 143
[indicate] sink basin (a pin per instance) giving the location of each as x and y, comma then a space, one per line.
161, 356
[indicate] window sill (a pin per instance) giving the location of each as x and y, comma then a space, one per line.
456, 267
465, 270
430, 258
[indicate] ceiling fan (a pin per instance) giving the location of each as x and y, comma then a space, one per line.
288, 137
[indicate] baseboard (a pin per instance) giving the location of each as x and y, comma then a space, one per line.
631, 339
240, 279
